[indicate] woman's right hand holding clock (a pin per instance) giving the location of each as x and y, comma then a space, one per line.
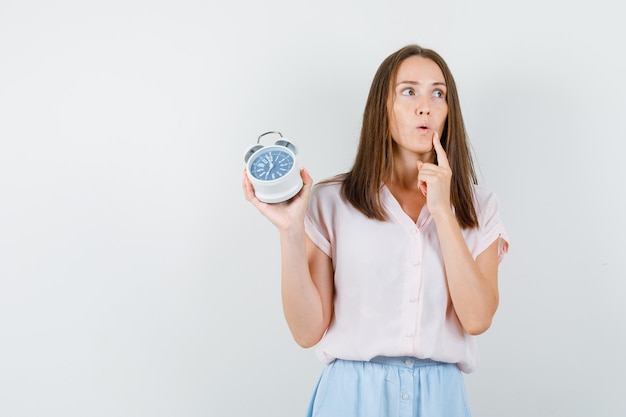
285, 215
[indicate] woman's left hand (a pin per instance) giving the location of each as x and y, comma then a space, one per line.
433, 180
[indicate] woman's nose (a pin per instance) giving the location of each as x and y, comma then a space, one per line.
422, 108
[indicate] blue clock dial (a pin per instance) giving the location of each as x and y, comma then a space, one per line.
271, 164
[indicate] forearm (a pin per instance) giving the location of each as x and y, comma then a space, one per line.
473, 291
302, 302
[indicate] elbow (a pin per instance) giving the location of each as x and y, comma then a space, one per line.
477, 327
306, 341
306, 344
308, 337
479, 321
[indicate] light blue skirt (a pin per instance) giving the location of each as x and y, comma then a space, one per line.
390, 387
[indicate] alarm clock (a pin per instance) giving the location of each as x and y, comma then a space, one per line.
273, 170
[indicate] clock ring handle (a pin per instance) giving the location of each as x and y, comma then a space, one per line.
268, 133
281, 142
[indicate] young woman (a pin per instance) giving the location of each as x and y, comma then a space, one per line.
392, 268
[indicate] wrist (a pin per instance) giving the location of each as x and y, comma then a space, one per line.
292, 231
445, 214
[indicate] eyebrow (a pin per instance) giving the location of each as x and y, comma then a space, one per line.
417, 83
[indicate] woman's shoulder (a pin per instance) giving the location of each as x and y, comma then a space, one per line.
483, 194
486, 201
327, 194
330, 185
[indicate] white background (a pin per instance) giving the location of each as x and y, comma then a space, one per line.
136, 281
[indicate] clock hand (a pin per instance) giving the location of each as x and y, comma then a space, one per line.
268, 159
267, 172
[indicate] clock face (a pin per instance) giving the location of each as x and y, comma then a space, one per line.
271, 164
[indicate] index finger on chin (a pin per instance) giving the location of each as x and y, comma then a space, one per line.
442, 157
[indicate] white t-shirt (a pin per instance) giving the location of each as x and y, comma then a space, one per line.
391, 296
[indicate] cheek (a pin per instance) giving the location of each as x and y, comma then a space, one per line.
400, 114
443, 116
443, 122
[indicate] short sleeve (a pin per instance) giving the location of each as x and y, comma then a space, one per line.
490, 223
316, 222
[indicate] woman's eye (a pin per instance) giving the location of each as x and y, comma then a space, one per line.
438, 94
408, 92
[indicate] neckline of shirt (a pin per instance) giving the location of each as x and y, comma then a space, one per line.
393, 207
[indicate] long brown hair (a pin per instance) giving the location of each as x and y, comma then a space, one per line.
374, 158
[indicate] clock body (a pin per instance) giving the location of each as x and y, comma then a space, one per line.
273, 171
